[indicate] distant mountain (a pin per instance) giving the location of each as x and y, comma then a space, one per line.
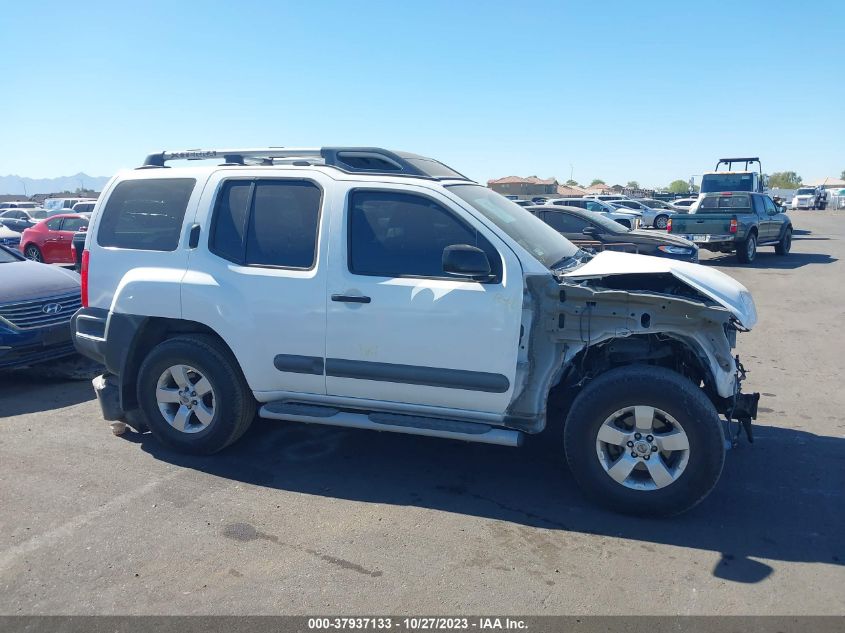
15, 184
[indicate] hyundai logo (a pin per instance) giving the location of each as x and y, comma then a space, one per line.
51, 308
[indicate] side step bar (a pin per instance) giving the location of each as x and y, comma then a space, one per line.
392, 422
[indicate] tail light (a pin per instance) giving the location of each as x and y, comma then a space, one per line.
84, 273
733, 225
669, 225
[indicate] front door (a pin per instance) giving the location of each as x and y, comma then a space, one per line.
398, 328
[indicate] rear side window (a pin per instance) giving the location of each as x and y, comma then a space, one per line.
145, 214
267, 223
55, 224
74, 224
564, 222
395, 234
230, 217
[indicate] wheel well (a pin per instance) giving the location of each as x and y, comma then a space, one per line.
641, 349
153, 331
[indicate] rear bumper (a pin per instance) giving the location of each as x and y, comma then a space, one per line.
88, 331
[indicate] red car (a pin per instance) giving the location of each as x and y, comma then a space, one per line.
49, 240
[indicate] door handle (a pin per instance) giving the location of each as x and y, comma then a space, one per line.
351, 298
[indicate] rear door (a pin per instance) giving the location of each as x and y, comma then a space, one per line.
569, 225
257, 277
65, 237
401, 330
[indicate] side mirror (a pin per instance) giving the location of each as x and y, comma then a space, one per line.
590, 230
466, 261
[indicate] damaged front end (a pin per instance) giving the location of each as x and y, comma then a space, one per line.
620, 310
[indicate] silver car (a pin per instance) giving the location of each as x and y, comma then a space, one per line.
655, 218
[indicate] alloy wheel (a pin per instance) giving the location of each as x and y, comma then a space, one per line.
185, 399
642, 448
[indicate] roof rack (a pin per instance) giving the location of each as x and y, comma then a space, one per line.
730, 161
360, 160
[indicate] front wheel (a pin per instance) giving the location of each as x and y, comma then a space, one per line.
644, 440
193, 395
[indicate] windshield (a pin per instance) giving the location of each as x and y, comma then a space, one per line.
534, 235
805, 190
38, 214
727, 182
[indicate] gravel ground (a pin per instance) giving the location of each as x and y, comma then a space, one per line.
297, 519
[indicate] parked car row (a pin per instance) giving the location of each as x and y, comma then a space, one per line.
42, 234
596, 231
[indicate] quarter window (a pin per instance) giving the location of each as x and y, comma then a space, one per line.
145, 214
395, 234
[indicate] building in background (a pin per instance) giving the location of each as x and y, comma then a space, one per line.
524, 187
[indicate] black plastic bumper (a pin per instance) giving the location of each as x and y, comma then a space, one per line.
88, 331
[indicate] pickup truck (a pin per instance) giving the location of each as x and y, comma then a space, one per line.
739, 221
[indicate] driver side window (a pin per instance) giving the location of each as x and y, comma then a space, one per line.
771, 209
397, 234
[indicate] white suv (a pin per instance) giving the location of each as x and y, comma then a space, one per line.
381, 290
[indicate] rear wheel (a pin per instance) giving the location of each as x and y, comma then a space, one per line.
782, 247
34, 253
644, 440
746, 251
661, 221
193, 395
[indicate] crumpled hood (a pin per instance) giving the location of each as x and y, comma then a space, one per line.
21, 281
715, 284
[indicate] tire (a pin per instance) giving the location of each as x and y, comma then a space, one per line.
198, 421
693, 472
661, 221
33, 252
782, 247
746, 250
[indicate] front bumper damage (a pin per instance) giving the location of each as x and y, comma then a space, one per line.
564, 320
741, 408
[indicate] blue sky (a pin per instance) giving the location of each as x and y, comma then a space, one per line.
646, 91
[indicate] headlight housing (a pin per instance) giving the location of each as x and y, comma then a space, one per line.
672, 249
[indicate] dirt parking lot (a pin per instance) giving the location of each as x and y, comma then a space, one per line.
297, 519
